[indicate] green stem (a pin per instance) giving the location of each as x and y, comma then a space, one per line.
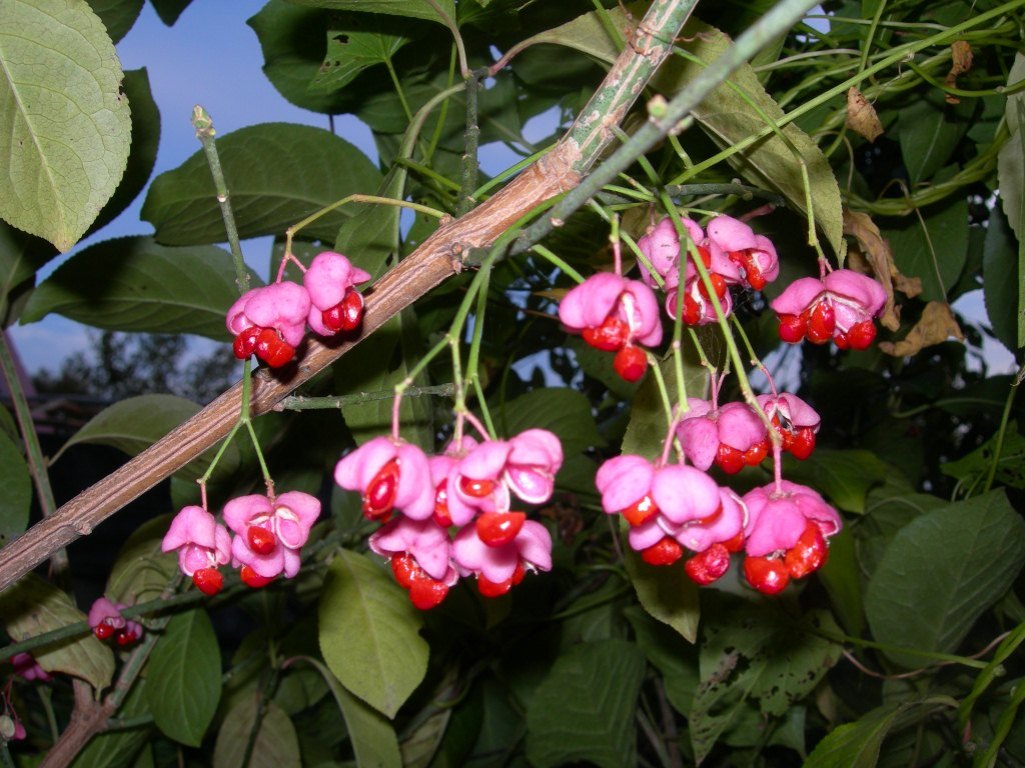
565, 268
993, 671
205, 132
33, 451
303, 403
999, 445
470, 164
943, 658
398, 89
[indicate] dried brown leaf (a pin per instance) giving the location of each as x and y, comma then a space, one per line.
861, 116
872, 250
960, 62
936, 325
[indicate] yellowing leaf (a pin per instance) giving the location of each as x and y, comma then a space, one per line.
861, 116
879, 258
936, 325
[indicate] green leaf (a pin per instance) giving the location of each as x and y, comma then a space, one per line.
145, 140
118, 16
755, 655
928, 131
169, 10
276, 744
373, 738
21, 255
67, 127
842, 580
371, 235
356, 42
15, 491
134, 284
936, 253
976, 466
412, 9
184, 672
670, 654
370, 633
1011, 159
999, 279
941, 572
32, 607
135, 423
565, 412
278, 173
648, 424
141, 571
843, 476
666, 593
584, 710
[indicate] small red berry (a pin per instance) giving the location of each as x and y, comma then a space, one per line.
209, 581
346, 315
718, 285
735, 544
245, 343
272, 349
765, 575
706, 567
861, 335
640, 511
729, 459
754, 275
821, 323
792, 328
406, 570
666, 552
492, 588
427, 593
809, 553
802, 444
498, 528
379, 498
103, 630
630, 363
609, 336
476, 489
123, 637
260, 540
252, 579
441, 513
756, 454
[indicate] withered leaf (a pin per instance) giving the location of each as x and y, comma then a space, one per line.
936, 325
876, 252
861, 116
960, 62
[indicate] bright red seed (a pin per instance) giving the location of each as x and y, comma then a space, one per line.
272, 349
765, 575
493, 588
379, 497
809, 553
691, 311
498, 528
427, 593
103, 630
861, 335
609, 336
718, 285
666, 552
752, 272
346, 315
640, 511
209, 581
706, 567
245, 343
260, 540
821, 323
252, 579
630, 363
735, 544
729, 459
476, 489
441, 513
756, 454
792, 328
124, 637
803, 443
407, 571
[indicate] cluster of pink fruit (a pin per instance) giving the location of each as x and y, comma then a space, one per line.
450, 515
671, 508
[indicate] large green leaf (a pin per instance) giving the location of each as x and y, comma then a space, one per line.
134, 284
135, 423
667, 594
584, 709
66, 125
671, 655
755, 658
370, 633
1000, 286
941, 572
278, 173
1012, 155
354, 43
935, 252
974, 468
276, 744
141, 571
928, 131
184, 676
371, 235
15, 491
413, 9
32, 607
565, 412
118, 16
843, 476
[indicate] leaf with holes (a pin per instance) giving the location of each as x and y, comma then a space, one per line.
32, 607
419, 9
66, 127
370, 633
584, 709
185, 675
356, 42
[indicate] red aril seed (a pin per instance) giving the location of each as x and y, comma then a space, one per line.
691, 311
841, 340
729, 459
735, 544
406, 570
476, 489
245, 343
666, 552
706, 567
272, 349
792, 328
260, 540
630, 363
610, 336
756, 454
808, 554
802, 444
821, 323
493, 588
518, 574
124, 637
861, 335
441, 513
103, 630
765, 575
754, 275
718, 285
209, 581
379, 498
640, 511
252, 579
499, 528
427, 593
